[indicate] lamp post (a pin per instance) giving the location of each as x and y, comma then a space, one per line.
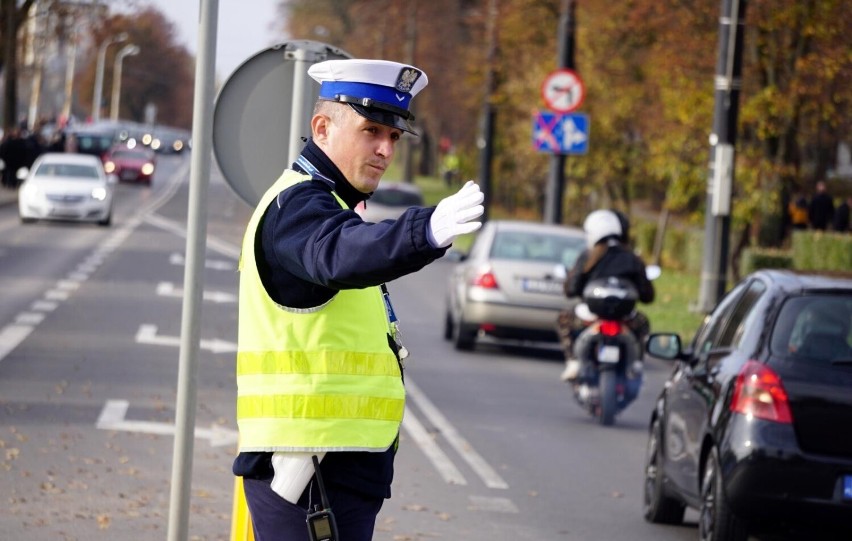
127, 50
97, 95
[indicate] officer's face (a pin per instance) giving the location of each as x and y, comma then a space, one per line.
360, 148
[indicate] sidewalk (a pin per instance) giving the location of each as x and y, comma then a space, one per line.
8, 196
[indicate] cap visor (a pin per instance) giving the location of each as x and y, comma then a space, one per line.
384, 117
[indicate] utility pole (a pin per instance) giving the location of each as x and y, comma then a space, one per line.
485, 141
717, 221
556, 176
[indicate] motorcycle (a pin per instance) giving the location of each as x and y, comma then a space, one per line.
609, 351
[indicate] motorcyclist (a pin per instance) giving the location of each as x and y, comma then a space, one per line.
608, 254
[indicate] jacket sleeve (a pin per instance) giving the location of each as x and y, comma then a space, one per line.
317, 241
645, 287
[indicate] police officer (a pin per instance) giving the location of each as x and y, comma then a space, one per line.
319, 361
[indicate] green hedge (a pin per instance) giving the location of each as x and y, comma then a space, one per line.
765, 258
819, 250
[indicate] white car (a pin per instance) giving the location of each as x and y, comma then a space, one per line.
62, 186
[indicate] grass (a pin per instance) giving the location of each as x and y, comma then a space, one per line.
676, 291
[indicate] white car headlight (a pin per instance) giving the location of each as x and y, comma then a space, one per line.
99, 193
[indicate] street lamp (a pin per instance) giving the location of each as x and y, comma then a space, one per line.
99, 75
127, 50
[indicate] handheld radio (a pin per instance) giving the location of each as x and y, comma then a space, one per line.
321, 524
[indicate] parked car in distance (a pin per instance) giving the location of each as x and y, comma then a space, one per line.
170, 141
62, 186
752, 427
92, 141
131, 164
389, 201
510, 285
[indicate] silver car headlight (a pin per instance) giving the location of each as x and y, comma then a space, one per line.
99, 193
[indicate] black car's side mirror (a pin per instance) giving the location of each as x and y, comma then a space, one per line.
664, 346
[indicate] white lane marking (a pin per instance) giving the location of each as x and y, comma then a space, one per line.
147, 334
11, 336
214, 264
29, 318
168, 289
56, 295
113, 414
44, 306
67, 285
497, 505
433, 452
488, 475
213, 244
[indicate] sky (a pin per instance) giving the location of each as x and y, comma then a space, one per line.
244, 28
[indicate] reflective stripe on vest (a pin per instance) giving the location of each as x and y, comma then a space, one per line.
322, 379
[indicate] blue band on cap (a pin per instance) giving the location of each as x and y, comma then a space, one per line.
384, 94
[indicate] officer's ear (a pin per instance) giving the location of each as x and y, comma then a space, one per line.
319, 127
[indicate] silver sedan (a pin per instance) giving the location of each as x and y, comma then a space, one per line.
510, 285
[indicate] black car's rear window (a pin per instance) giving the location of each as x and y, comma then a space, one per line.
397, 198
814, 329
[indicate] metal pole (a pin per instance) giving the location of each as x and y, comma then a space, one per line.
556, 174
485, 141
97, 95
301, 106
196, 235
127, 50
717, 221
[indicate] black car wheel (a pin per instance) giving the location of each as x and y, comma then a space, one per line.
717, 522
657, 507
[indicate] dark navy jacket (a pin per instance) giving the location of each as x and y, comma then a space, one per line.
310, 249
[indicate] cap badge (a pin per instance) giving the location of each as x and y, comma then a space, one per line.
406, 79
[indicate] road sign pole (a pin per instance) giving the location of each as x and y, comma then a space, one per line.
556, 175
196, 238
717, 218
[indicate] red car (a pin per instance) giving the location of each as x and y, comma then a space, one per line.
135, 164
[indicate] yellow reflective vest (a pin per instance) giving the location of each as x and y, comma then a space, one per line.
317, 379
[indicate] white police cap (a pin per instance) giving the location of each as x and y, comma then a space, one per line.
379, 90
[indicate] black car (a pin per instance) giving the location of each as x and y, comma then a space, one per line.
753, 427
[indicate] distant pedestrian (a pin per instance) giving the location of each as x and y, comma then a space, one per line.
798, 210
821, 210
841, 215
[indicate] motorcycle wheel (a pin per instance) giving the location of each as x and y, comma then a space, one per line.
608, 398
657, 507
717, 522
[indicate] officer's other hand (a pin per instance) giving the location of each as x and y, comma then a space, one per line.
455, 213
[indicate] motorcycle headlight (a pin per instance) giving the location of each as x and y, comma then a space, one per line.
99, 193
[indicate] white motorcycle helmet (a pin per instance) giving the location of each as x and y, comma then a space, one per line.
601, 224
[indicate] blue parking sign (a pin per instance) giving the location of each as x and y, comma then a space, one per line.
561, 133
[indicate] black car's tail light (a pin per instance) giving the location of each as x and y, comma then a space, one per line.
759, 393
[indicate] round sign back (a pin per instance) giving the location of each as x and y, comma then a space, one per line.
254, 111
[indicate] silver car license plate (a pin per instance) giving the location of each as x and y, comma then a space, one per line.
536, 285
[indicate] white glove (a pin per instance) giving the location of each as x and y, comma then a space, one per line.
454, 213
292, 472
